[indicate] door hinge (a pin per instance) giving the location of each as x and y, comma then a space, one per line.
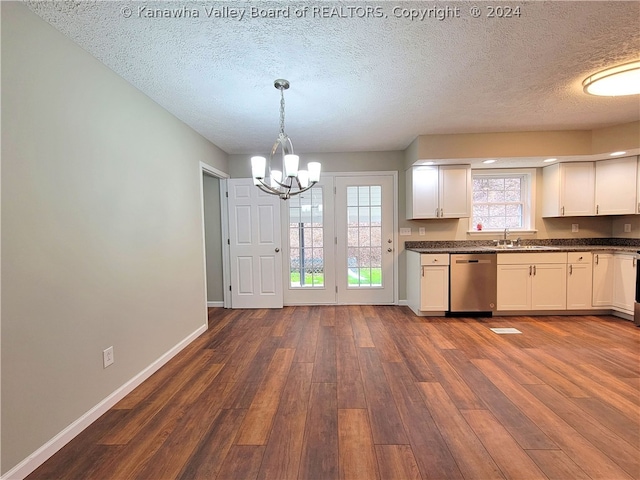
336, 289
335, 240
226, 194
229, 287
228, 241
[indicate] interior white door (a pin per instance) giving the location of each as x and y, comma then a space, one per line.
254, 246
309, 249
365, 241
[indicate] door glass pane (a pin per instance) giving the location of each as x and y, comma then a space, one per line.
364, 220
306, 233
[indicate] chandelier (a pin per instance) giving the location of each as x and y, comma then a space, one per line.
288, 180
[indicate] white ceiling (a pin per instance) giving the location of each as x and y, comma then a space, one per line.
363, 84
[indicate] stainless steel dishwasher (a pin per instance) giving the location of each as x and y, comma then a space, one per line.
472, 283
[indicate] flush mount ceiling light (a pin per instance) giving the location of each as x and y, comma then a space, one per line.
617, 154
288, 180
489, 161
548, 160
615, 81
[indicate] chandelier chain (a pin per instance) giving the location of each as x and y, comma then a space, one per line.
282, 110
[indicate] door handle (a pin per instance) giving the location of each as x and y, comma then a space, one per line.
389, 249
277, 249
570, 269
597, 259
529, 270
534, 269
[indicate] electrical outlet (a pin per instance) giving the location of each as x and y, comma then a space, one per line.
627, 228
107, 357
422, 231
574, 227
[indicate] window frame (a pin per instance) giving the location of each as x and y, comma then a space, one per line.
528, 176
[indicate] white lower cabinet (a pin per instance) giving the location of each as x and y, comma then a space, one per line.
579, 280
624, 282
602, 280
428, 283
532, 281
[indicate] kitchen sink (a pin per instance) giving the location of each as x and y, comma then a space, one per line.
520, 247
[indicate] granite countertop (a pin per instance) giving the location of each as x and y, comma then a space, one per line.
530, 246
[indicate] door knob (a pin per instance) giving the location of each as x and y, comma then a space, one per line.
277, 249
389, 249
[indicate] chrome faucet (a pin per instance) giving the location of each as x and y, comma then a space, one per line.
506, 234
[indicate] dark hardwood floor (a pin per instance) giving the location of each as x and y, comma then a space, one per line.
362, 392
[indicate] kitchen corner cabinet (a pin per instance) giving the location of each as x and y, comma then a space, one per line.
532, 281
624, 282
616, 188
438, 192
428, 283
568, 189
579, 280
602, 280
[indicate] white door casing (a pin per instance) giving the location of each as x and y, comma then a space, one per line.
254, 246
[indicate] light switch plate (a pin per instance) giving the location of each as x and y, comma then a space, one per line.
574, 227
627, 228
422, 231
405, 231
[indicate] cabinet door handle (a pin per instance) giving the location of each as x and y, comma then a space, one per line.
563, 211
570, 269
534, 269
530, 270
597, 209
437, 212
423, 271
597, 259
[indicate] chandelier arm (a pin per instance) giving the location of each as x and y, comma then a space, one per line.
267, 188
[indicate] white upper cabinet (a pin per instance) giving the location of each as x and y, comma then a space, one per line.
568, 189
438, 192
616, 188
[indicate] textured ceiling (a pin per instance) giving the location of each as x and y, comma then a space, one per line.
358, 82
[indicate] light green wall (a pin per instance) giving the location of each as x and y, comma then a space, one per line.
101, 231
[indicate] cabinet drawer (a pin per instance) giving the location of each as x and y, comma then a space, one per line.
531, 258
579, 257
434, 259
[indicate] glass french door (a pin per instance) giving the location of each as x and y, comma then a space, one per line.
338, 240
365, 249
308, 233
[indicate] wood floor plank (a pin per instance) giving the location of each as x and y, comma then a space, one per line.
510, 457
431, 452
385, 345
242, 462
386, 425
350, 388
473, 459
556, 465
320, 446
284, 448
308, 341
525, 432
324, 370
206, 460
595, 463
361, 332
343, 321
613, 419
447, 376
257, 423
397, 462
357, 455
415, 362
627, 456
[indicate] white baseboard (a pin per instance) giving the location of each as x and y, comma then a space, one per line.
403, 303
38, 457
215, 304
